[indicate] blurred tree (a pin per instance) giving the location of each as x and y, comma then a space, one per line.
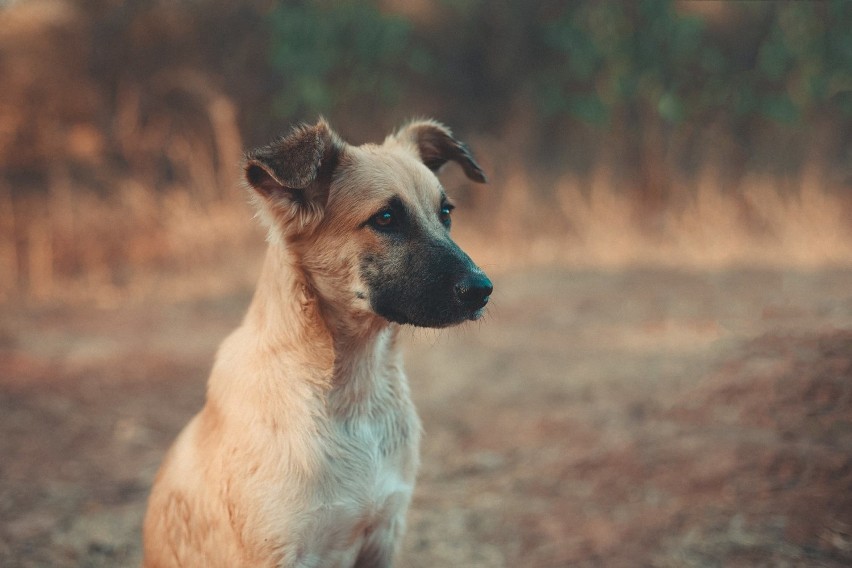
96, 95
650, 69
334, 54
643, 86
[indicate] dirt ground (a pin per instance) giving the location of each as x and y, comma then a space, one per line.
639, 417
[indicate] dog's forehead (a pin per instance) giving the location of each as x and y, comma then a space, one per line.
371, 175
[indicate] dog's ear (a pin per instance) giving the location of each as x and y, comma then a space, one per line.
291, 176
435, 145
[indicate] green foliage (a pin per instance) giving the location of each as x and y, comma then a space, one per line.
590, 60
605, 56
330, 53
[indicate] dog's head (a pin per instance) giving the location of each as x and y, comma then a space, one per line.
370, 224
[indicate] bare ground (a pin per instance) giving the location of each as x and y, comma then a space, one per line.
642, 417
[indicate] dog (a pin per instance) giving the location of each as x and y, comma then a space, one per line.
305, 452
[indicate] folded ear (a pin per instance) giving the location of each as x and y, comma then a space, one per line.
291, 176
435, 145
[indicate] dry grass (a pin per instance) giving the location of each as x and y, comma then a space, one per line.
77, 246
803, 223
71, 244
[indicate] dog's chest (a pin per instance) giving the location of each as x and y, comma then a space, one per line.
371, 461
362, 492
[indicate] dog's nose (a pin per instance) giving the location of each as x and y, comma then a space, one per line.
473, 290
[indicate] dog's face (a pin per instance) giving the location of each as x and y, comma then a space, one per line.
370, 224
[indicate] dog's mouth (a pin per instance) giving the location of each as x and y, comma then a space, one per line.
431, 322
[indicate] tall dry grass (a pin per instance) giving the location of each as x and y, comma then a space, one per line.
72, 244
68, 241
764, 221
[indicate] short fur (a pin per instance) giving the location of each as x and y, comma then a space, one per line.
305, 452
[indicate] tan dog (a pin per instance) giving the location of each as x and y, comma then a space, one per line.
305, 452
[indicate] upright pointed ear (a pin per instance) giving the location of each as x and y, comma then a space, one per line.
435, 145
291, 176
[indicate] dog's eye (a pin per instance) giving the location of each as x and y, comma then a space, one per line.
384, 219
445, 214
390, 219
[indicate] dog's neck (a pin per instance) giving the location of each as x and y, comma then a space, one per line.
288, 314
284, 313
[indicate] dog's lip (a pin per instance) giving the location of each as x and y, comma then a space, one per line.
460, 319
437, 324
454, 316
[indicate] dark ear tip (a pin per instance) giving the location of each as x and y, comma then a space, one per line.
436, 145
469, 165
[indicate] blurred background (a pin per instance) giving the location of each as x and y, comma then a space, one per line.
664, 377
649, 131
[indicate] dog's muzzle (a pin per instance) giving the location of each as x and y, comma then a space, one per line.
427, 284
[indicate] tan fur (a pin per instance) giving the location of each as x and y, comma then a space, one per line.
305, 452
